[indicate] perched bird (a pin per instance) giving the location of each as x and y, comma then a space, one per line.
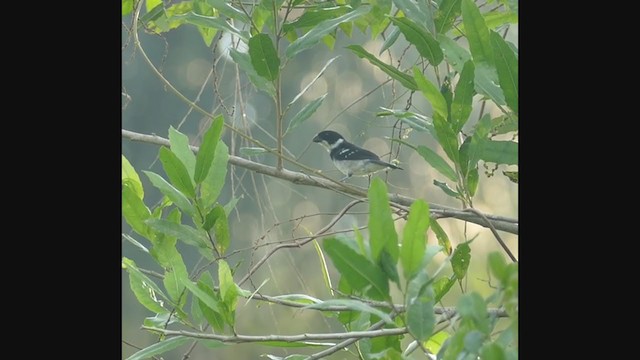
351, 159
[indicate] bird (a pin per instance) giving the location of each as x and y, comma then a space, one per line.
351, 159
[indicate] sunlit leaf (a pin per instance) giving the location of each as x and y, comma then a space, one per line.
212, 186
382, 231
207, 149
177, 172
227, 10
130, 174
135, 212
414, 238
180, 147
431, 93
460, 260
405, 79
171, 192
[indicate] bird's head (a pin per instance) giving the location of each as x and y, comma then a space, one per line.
329, 139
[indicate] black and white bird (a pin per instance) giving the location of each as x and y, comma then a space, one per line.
351, 159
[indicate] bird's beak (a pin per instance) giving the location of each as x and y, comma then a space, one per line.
317, 139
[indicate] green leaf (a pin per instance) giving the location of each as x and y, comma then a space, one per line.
177, 172
221, 229
160, 348
299, 298
500, 152
437, 162
455, 54
243, 60
405, 79
460, 260
420, 301
305, 113
185, 233
389, 267
323, 266
431, 93
264, 56
228, 10
150, 4
442, 286
419, 12
359, 272
471, 181
228, 288
448, 12
130, 175
477, 33
424, 42
473, 307
231, 204
447, 138
171, 192
414, 239
492, 351
354, 305
443, 239
447, 190
172, 275
164, 246
312, 17
311, 38
486, 80
202, 295
252, 151
212, 314
212, 22
382, 231
180, 146
465, 89
507, 68
415, 121
127, 7
498, 265
212, 186
146, 291
135, 212
435, 342
390, 40
205, 155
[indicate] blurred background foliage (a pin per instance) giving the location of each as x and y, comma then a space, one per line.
270, 209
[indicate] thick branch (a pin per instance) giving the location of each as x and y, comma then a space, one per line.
499, 222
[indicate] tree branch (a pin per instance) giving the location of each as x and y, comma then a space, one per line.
286, 338
499, 222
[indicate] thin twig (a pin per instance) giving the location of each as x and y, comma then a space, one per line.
495, 233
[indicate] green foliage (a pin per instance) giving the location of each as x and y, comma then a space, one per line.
277, 33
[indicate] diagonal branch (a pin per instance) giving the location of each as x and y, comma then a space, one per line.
499, 222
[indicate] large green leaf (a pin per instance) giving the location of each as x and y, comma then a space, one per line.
446, 137
212, 186
455, 54
465, 89
212, 22
405, 79
448, 12
229, 11
486, 82
415, 121
382, 231
172, 275
183, 232
146, 291
431, 93
127, 7
264, 56
160, 348
244, 62
228, 291
477, 33
130, 175
305, 113
390, 40
135, 212
204, 159
180, 146
213, 315
420, 301
461, 259
500, 152
443, 238
202, 295
442, 286
354, 305
177, 172
217, 218
424, 42
312, 17
414, 238
507, 68
437, 162
171, 192
419, 12
359, 272
316, 34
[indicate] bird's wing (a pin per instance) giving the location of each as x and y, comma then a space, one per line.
353, 152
